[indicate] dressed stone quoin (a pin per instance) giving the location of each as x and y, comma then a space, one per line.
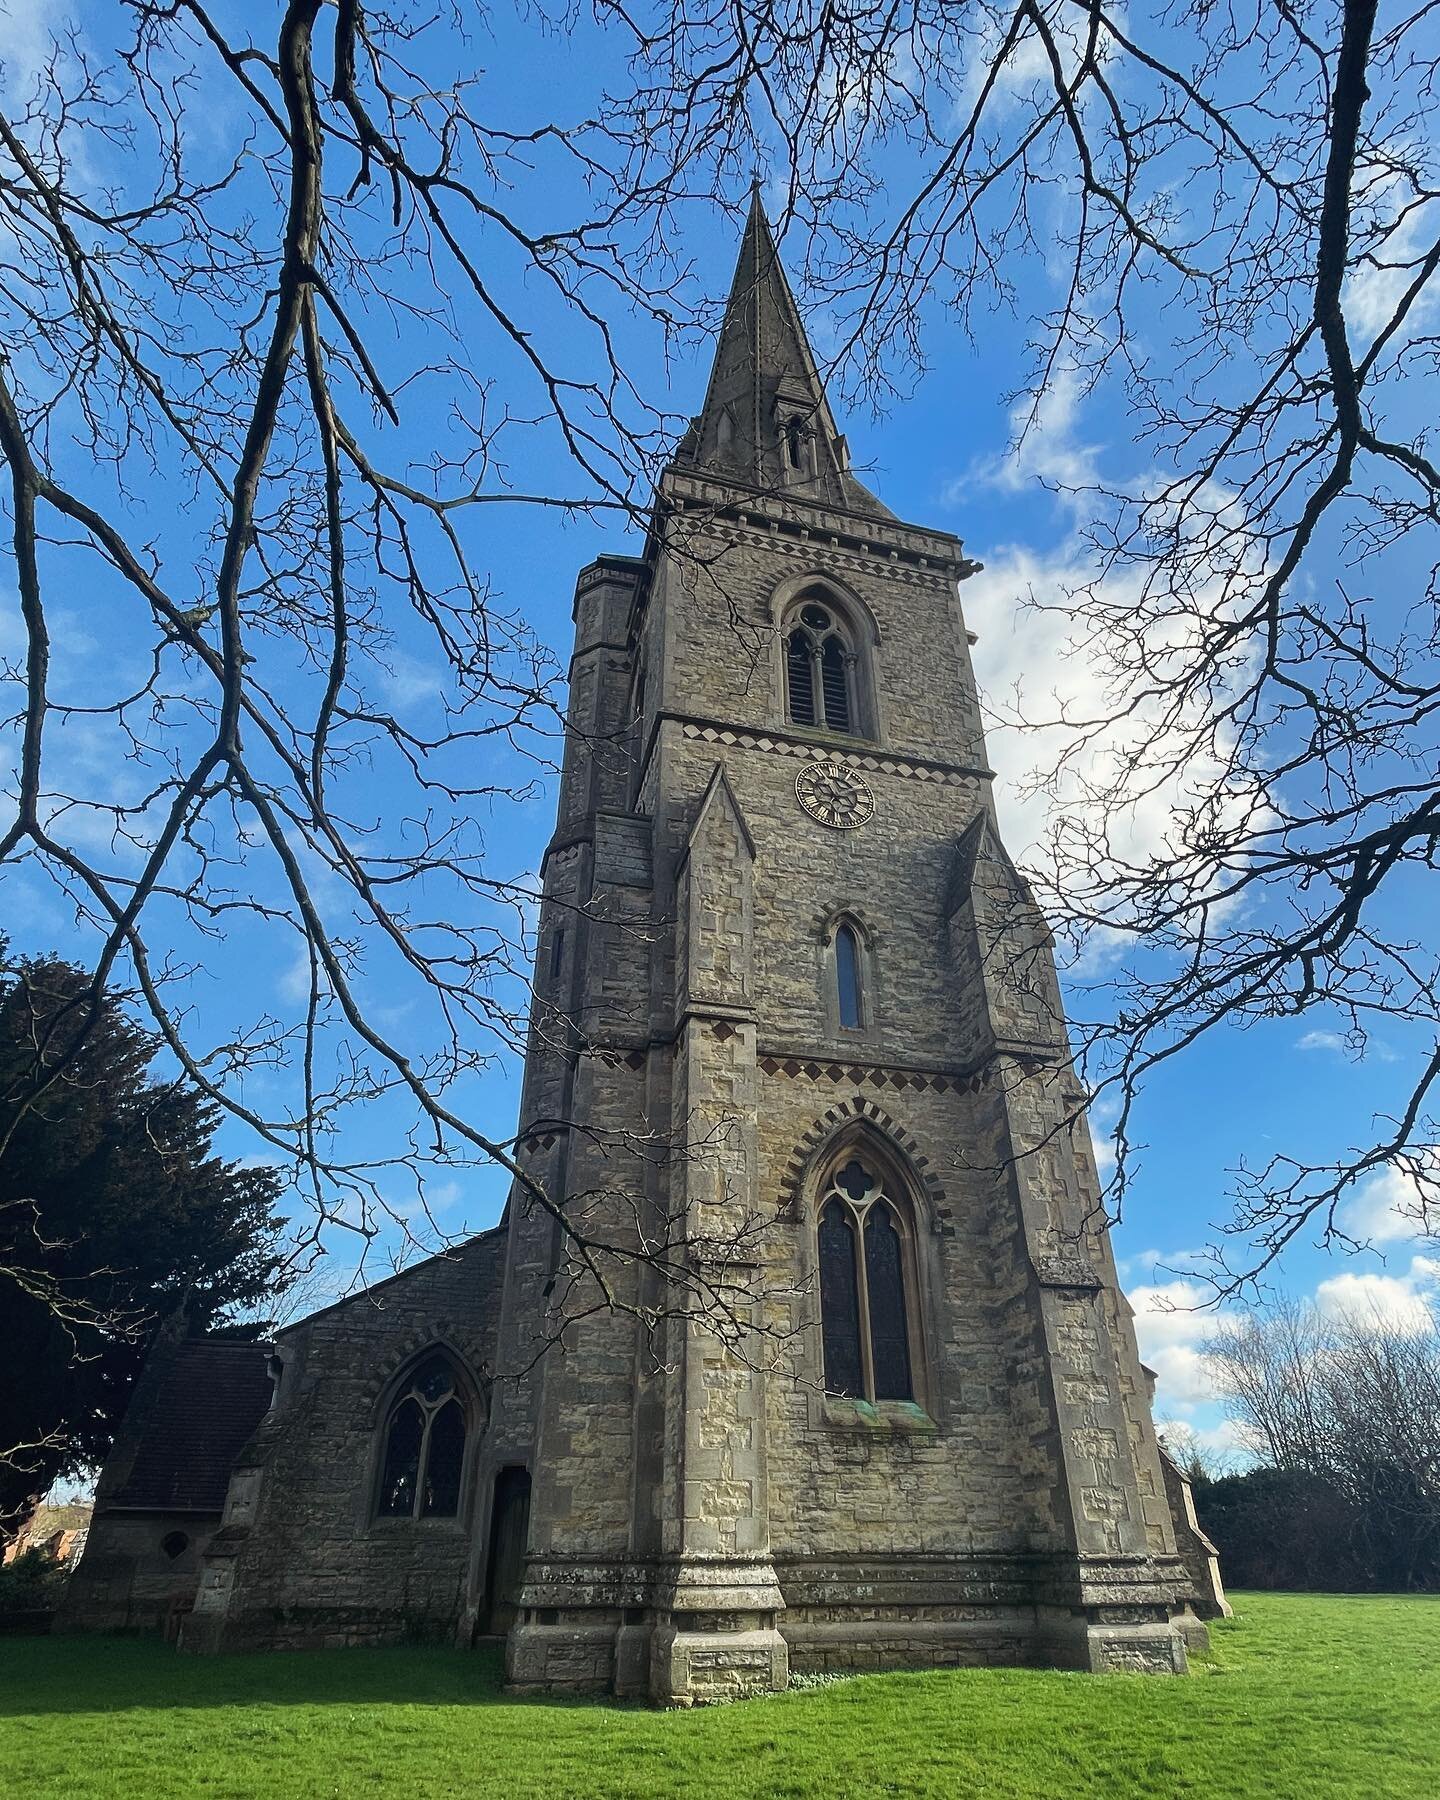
795, 1004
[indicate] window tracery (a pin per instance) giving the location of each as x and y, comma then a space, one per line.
821, 667
424, 1446
866, 1298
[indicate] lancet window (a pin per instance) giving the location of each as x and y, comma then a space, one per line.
866, 1297
849, 985
821, 668
424, 1446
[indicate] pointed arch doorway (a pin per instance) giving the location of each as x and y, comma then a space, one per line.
505, 1564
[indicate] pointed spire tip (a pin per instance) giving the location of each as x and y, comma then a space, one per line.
766, 422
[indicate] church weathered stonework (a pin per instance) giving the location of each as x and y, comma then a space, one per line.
797, 1020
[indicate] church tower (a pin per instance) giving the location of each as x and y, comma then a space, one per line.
797, 1032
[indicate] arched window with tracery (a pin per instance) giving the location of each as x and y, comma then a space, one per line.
424, 1445
822, 667
866, 1294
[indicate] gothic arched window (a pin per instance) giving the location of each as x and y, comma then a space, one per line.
800, 678
795, 442
865, 1299
424, 1446
849, 1005
835, 683
821, 667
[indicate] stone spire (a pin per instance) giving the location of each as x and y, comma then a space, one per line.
766, 421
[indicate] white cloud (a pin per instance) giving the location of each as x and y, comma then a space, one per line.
1374, 290
293, 981
440, 1196
407, 682
1221, 1443
1393, 1206
1141, 1263
425, 1205
1172, 1324
1103, 1115
1182, 1378
1025, 653
1027, 73
1139, 789
1044, 447
27, 28
1030, 666
1403, 1302
1358, 1045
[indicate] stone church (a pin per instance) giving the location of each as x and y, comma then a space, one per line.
796, 1031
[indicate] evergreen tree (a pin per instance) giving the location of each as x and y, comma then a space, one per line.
115, 1216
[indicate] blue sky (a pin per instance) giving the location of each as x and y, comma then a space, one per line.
942, 455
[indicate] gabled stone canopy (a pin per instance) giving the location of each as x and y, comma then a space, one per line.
766, 421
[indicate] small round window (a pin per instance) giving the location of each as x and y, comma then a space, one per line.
816, 618
174, 1544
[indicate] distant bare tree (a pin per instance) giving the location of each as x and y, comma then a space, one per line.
1197, 1460
1240, 205
1354, 1402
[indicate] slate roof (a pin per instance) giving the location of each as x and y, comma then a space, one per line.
202, 1402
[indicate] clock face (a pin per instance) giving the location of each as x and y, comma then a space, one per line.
834, 795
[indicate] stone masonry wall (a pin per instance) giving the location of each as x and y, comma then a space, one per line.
302, 1560
987, 1468
1022, 1480
128, 1580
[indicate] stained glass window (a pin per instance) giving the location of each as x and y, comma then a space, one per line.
855, 1181
403, 1441
434, 1381
445, 1463
840, 1302
865, 1309
885, 1282
424, 1447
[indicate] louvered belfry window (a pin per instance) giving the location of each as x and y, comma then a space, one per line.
864, 1305
800, 675
820, 671
835, 681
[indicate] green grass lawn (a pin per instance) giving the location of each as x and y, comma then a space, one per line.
1303, 1695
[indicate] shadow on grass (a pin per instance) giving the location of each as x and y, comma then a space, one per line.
124, 1674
